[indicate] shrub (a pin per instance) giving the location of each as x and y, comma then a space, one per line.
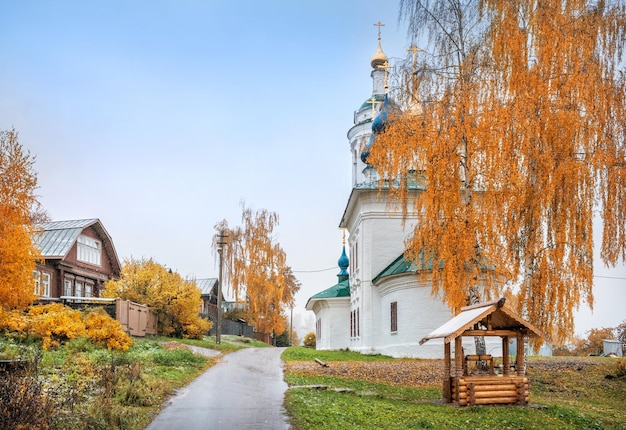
309, 340
23, 401
55, 323
105, 331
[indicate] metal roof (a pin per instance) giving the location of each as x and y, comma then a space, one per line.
206, 286
56, 238
342, 289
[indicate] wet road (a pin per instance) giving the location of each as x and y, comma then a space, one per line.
245, 390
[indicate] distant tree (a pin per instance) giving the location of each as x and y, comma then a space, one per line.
514, 123
620, 332
283, 339
175, 301
309, 340
38, 214
18, 181
256, 269
593, 345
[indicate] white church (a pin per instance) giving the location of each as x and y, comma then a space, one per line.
378, 306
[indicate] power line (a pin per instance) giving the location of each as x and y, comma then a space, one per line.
314, 271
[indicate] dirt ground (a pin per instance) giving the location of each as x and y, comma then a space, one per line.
413, 373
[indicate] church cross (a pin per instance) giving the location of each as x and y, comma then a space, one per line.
386, 67
379, 24
415, 50
374, 102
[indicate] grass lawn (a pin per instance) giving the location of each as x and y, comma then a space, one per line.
82, 386
362, 393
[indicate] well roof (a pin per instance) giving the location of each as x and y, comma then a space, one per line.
501, 318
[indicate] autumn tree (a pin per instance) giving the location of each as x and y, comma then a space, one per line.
620, 332
513, 118
176, 302
593, 344
18, 181
255, 267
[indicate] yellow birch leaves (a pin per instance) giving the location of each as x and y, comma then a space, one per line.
255, 267
520, 137
18, 182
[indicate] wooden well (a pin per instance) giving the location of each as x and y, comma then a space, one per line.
510, 385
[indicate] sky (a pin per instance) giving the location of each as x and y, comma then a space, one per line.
161, 118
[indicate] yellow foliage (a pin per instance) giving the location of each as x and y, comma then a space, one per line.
175, 301
516, 146
18, 182
56, 323
256, 268
105, 331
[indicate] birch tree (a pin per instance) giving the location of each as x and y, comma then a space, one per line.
18, 182
255, 268
513, 117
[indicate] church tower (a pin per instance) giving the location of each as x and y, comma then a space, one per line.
389, 307
359, 135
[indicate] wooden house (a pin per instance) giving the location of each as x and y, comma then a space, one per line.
78, 258
474, 379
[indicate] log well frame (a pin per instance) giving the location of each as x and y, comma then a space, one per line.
491, 318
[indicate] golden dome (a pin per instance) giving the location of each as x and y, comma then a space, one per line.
379, 58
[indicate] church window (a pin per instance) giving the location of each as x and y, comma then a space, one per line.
394, 317
351, 323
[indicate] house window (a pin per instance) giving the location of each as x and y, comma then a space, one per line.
67, 287
78, 286
88, 250
394, 317
42, 283
88, 290
37, 281
45, 285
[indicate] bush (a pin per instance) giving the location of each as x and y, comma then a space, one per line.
105, 331
309, 340
23, 401
55, 324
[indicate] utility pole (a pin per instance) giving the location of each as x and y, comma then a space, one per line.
291, 327
220, 250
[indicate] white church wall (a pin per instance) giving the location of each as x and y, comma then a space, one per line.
334, 315
418, 313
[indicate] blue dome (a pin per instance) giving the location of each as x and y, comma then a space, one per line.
378, 126
343, 263
380, 122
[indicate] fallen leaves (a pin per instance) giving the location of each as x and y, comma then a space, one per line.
405, 372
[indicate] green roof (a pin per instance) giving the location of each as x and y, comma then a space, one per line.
341, 289
400, 266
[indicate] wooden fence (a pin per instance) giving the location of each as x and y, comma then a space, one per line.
136, 319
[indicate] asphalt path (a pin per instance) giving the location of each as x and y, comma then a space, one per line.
245, 390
